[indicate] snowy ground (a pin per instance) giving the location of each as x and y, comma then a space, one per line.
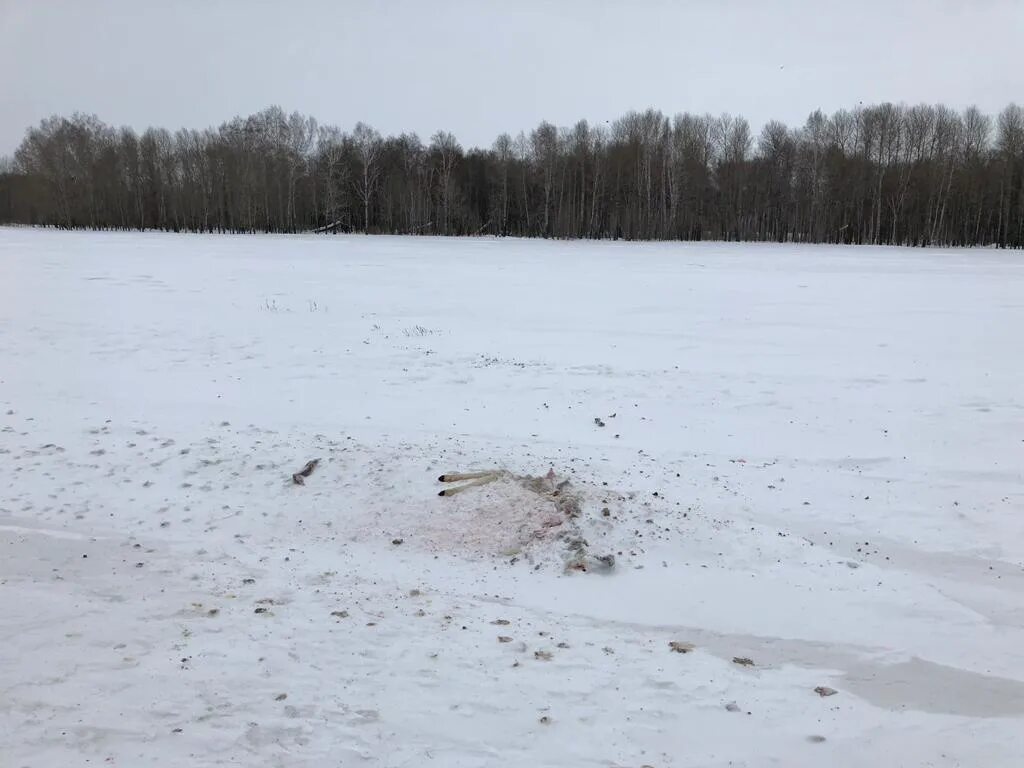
814, 463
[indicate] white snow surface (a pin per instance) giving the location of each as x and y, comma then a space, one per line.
811, 458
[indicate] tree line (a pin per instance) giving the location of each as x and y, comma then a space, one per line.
882, 174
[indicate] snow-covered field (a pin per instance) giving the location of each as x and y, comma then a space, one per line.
811, 458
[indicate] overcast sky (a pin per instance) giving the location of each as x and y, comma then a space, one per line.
478, 68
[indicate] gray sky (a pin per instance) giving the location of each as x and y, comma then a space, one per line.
478, 68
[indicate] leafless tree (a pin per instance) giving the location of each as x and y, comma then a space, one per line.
368, 146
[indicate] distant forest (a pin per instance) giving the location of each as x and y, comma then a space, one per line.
884, 174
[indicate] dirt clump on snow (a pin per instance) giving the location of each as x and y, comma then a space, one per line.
299, 478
